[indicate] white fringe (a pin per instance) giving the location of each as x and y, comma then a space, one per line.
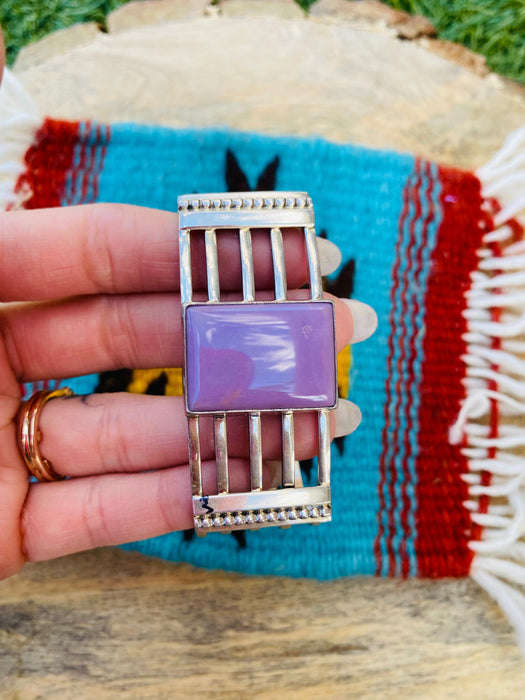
496, 377
19, 121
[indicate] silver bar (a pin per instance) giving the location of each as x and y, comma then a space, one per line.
279, 268
249, 218
212, 264
186, 289
255, 451
314, 266
267, 199
255, 500
195, 455
221, 452
288, 449
323, 459
248, 280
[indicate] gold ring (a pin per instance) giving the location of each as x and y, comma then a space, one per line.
29, 435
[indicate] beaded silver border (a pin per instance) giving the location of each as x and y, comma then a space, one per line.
265, 517
244, 200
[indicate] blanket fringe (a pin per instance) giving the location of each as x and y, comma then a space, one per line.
491, 424
19, 121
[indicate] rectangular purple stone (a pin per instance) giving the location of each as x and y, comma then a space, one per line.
260, 356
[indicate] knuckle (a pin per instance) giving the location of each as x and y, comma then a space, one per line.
12, 347
166, 500
28, 532
113, 439
119, 336
98, 255
93, 516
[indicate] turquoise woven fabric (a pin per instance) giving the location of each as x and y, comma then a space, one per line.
388, 213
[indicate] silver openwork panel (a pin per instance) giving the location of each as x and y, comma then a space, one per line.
286, 500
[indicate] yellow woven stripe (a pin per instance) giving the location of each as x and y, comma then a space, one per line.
344, 362
142, 378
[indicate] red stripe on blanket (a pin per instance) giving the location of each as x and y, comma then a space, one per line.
407, 343
48, 162
427, 194
387, 470
394, 527
443, 524
103, 137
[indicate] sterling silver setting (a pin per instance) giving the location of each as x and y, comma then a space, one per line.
288, 502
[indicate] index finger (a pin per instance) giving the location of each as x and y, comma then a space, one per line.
120, 249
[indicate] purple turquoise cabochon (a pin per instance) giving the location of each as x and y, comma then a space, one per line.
260, 356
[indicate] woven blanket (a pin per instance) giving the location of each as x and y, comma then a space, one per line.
431, 483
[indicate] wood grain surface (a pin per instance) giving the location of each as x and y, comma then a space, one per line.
110, 624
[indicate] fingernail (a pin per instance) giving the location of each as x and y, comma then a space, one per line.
364, 318
347, 417
329, 256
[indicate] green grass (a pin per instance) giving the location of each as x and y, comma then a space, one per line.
494, 28
23, 21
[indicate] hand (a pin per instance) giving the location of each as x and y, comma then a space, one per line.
95, 288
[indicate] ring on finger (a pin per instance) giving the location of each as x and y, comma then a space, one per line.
29, 435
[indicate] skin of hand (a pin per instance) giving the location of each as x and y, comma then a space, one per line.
93, 288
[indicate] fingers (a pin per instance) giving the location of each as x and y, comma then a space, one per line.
106, 433
92, 334
116, 248
96, 334
70, 516
364, 320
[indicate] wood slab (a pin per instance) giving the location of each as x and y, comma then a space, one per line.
339, 73
110, 624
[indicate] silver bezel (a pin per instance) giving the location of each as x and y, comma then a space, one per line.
255, 409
